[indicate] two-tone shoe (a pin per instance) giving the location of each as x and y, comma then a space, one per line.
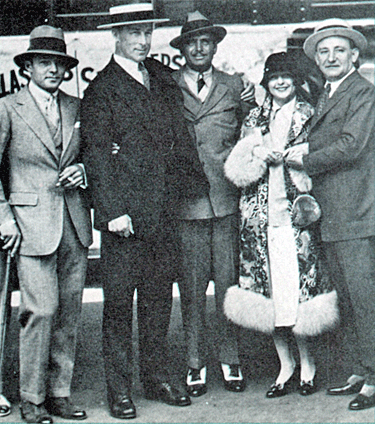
5, 406
233, 378
196, 382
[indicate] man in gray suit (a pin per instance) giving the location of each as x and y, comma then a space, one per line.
46, 221
342, 167
208, 225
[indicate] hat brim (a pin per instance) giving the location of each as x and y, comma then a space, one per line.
120, 24
311, 42
19, 60
218, 32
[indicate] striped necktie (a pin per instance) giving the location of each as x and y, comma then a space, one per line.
323, 100
145, 75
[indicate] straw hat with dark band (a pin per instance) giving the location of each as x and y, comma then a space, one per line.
333, 28
46, 40
197, 23
131, 13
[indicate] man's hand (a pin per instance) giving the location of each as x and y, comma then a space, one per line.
122, 226
248, 93
267, 155
11, 236
71, 177
294, 155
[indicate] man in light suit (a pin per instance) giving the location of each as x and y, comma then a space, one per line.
208, 224
341, 164
140, 164
46, 219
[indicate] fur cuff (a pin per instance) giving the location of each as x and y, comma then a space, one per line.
242, 167
301, 180
254, 311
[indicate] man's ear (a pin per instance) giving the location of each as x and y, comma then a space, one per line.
355, 54
28, 65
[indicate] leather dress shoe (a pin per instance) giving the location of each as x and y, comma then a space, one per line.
307, 388
63, 407
5, 408
347, 389
196, 382
163, 391
235, 382
122, 407
362, 402
32, 413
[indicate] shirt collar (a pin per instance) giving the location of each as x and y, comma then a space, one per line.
335, 84
194, 74
127, 65
39, 94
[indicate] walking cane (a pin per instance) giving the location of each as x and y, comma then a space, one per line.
4, 310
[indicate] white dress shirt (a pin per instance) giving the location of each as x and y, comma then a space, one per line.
191, 79
129, 66
335, 84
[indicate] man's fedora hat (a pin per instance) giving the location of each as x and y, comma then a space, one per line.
134, 12
333, 28
46, 40
197, 23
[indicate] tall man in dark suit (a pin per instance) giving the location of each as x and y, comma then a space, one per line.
341, 163
208, 225
140, 163
46, 217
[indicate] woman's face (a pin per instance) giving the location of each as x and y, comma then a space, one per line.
282, 88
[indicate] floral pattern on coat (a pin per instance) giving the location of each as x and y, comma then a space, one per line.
254, 267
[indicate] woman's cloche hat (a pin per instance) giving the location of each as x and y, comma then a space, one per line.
197, 23
333, 28
133, 12
46, 39
280, 63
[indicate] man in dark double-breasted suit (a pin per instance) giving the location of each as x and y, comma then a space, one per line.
208, 225
46, 217
140, 164
341, 163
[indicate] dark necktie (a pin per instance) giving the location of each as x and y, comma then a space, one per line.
323, 100
145, 75
200, 82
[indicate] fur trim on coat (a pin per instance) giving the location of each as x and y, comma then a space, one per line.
254, 311
241, 167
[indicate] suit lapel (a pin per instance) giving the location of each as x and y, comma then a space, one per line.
29, 111
131, 93
68, 111
192, 104
216, 93
337, 96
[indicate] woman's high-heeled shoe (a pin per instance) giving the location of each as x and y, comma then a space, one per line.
278, 390
307, 388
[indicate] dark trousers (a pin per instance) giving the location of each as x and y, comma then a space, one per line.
210, 251
129, 264
352, 270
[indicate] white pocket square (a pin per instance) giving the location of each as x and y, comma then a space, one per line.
77, 124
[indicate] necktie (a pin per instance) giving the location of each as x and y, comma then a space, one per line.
200, 82
52, 111
323, 100
145, 75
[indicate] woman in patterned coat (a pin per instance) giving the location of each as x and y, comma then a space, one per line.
283, 289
